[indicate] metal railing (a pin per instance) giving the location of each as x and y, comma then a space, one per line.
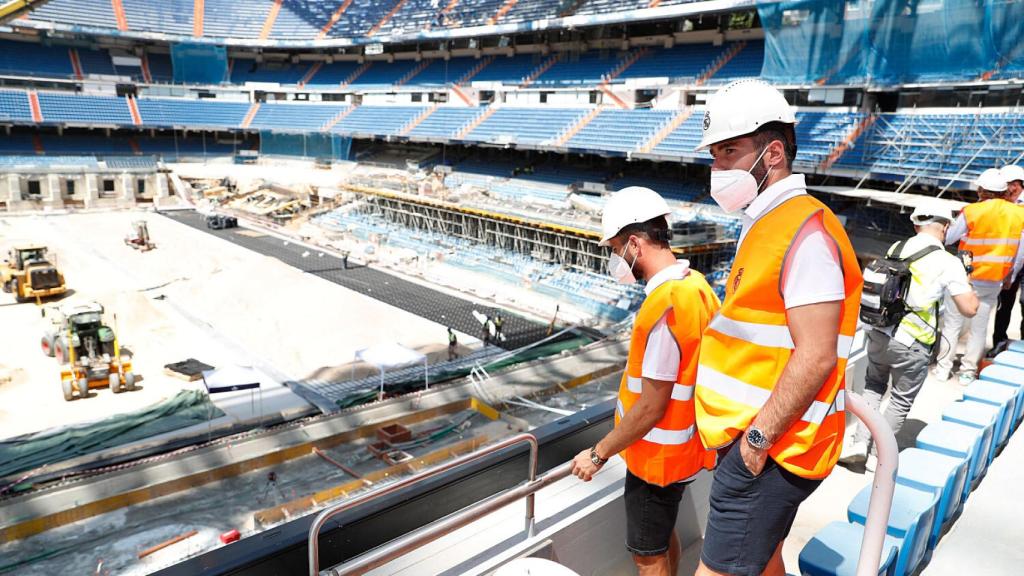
396, 548
876, 524
882, 486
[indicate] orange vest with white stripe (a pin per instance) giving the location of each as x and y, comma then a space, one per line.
748, 344
993, 235
671, 451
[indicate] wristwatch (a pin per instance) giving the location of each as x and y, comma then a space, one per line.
597, 460
757, 439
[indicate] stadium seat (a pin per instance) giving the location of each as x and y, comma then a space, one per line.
910, 523
835, 551
1000, 396
969, 443
943, 475
1015, 346
984, 416
1010, 358
1007, 376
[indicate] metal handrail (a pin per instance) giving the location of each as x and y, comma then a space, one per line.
882, 487
875, 526
332, 511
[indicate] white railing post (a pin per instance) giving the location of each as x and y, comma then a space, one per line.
882, 486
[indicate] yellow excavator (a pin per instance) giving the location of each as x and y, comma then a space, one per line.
30, 273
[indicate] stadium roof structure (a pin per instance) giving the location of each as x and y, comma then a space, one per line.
335, 24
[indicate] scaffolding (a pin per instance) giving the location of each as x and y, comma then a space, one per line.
561, 244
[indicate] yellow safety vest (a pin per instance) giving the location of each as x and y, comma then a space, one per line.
671, 451
748, 344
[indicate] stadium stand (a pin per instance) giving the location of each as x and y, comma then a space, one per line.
80, 109
14, 106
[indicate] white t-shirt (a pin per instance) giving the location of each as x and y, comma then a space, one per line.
662, 356
812, 273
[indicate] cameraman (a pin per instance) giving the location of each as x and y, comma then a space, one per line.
905, 350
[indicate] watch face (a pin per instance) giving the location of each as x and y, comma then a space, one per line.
756, 438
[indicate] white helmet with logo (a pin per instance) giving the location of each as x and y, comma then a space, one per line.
630, 205
742, 107
930, 212
991, 180
1012, 172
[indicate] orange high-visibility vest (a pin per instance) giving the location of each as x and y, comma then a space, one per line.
748, 344
993, 235
671, 451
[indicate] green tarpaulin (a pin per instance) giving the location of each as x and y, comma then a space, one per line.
22, 453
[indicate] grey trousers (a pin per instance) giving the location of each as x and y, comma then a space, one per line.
908, 368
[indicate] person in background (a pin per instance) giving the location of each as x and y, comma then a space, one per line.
654, 420
1014, 176
991, 229
453, 342
904, 352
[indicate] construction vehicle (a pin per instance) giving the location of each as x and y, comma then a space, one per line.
87, 350
139, 238
30, 273
221, 222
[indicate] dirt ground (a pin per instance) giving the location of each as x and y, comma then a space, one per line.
194, 296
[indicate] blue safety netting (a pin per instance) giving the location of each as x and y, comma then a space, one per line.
885, 42
199, 63
312, 145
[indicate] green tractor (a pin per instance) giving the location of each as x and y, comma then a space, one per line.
87, 350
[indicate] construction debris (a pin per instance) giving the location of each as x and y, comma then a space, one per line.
167, 543
188, 370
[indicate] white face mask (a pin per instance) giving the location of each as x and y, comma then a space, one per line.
736, 189
618, 269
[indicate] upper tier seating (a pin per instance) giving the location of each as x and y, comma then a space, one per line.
294, 117
14, 106
527, 126
621, 130
445, 122
64, 107
169, 112
377, 120
683, 63
31, 59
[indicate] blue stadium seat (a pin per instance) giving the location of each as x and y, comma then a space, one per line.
910, 523
1007, 376
14, 106
835, 550
1000, 396
1016, 346
1010, 358
984, 416
968, 443
945, 476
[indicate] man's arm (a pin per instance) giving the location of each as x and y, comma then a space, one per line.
957, 230
1018, 261
815, 332
645, 413
967, 304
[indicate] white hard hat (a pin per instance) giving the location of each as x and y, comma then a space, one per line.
925, 213
991, 180
630, 205
741, 108
1012, 172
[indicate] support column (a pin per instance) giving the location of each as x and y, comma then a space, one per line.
90, 190
51, 194
126, 193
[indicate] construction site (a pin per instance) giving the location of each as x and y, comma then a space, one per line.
250, 348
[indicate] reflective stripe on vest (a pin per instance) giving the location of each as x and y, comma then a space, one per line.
671, 451
748, 345
993, 235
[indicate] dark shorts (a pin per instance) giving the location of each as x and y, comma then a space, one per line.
650, 515
750, 514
